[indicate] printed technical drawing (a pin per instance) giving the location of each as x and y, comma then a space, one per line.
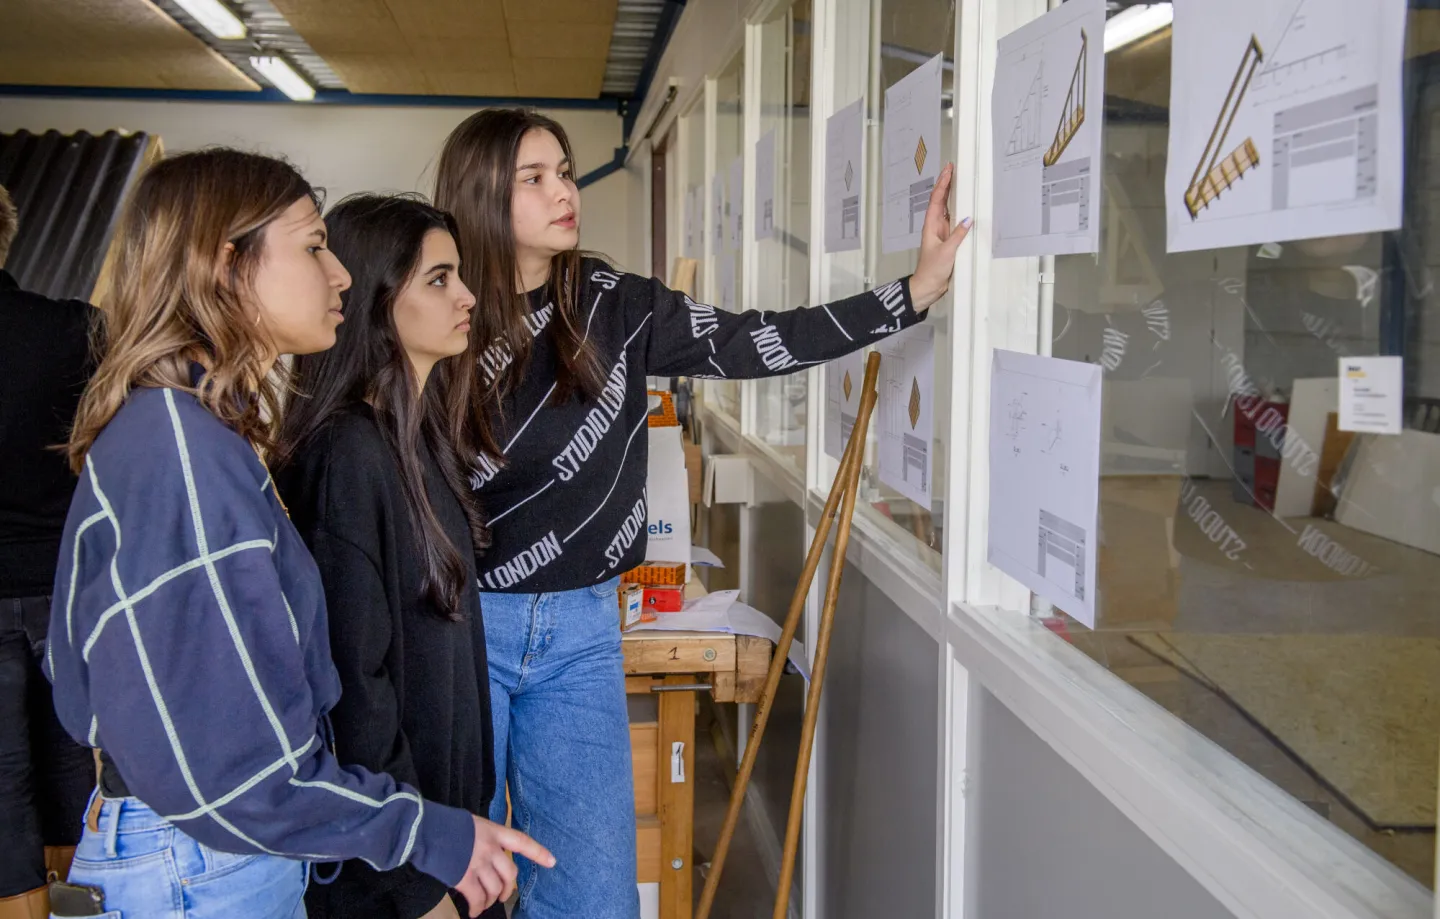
1025, 136
1072, 115
1211, 177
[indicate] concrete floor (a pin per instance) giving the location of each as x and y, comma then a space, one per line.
747, 890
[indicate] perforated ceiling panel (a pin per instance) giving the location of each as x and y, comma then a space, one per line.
553, 48
127, 43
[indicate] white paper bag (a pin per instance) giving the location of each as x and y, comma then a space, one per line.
667, 492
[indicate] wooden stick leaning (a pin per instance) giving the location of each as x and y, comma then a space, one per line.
850, 462
822, 654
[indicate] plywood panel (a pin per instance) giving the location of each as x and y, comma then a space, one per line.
560, 40
593, 11
461, 47
645, 766
126, 43
647, 849
568, 79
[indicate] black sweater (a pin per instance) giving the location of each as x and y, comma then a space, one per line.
415, 695
567, 498
45, 356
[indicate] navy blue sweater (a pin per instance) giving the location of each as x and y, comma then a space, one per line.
188, 638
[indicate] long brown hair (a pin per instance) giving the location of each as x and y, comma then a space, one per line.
475, 181
168, 306
381, 238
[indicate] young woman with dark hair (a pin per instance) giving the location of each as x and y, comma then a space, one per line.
188, 634
369, 463
563, 345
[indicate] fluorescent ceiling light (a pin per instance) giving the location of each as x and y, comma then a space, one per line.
283, 78
1136, 22
214, 16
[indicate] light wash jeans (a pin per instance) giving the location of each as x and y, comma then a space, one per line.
148, 869
562, 739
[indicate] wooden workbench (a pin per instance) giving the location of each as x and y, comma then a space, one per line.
734, 667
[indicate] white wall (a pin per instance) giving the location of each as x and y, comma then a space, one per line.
706, 37
346, 149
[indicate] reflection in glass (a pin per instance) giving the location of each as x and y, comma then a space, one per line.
782, 258
911, 32
1266, 577
726, 251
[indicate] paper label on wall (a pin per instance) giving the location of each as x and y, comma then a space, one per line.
845, 177
726, 280
1370, 394
765, 186
1046, 108
735, 201
844, 378
717, 217
911, 155
1285, 121
1045, 477
905, 426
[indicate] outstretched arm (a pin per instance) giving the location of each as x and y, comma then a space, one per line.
694, 339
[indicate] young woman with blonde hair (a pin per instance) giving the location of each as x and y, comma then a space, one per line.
188, 636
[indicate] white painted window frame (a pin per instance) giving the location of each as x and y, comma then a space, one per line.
1259, 852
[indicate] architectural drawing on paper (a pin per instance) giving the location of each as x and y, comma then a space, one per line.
850, 207
1056, 434
1324, 150
920, 190
1307, 52
1015, 417
1025, 134
1063, 541
1217, 172
1072, 114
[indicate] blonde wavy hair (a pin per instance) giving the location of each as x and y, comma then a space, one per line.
173, 301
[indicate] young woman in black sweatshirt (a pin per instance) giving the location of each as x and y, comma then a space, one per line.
369, 467
563, 344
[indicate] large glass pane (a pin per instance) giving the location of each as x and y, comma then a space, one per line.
692, 142
783, 250
727, 190
1266, 577
910, 33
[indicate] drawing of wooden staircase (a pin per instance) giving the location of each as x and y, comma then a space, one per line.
1072, 116
1214, 174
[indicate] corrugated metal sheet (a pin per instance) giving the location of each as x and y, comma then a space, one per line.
69, 189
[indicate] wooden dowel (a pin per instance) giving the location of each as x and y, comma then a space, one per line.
852, 458
817, 669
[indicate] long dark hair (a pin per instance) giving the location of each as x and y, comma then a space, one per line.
475, 181
379, 239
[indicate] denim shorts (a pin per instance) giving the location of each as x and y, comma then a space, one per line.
148, 869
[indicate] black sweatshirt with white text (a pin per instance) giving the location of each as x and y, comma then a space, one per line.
567, 499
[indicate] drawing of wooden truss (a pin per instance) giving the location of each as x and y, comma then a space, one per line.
1072, 116
1213, 174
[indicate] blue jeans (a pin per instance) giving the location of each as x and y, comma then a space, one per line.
562, 740
148, 869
